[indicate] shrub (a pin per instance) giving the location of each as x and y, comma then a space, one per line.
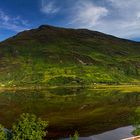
136, 122
75, 137
2, 133
29, 127
65, 80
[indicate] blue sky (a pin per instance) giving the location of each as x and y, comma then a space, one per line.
116, 17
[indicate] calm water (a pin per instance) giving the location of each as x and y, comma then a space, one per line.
116, 134
89, 111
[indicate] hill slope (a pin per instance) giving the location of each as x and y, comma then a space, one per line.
56, 56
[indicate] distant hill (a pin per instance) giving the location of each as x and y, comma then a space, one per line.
59, 56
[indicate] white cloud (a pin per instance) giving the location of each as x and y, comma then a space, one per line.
12, 23
48, 7
87, 13
4, 17
138, 15
128, 22
116, 17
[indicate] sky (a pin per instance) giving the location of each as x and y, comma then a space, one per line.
120, 18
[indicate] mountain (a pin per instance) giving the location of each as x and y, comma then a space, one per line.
59, 56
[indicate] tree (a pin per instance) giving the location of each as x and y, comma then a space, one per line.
2, 133
29, 127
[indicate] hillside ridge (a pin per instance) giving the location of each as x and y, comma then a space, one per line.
52, 55
76, 29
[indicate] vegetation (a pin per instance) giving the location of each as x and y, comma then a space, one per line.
75, 137
29, 127
2, 133
136, 122
57, 56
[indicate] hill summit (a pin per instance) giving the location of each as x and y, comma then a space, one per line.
61, 56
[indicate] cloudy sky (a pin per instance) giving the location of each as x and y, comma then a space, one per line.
117, 17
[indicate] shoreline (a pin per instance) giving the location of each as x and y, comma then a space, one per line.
93, 86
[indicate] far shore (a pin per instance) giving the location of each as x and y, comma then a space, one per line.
127, 87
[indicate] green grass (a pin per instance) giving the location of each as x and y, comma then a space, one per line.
58, 56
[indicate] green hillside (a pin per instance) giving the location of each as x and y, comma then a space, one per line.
57, 56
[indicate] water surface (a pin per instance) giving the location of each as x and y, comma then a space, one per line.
88, 111
116, 134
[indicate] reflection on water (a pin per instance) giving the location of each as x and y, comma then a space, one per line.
89, 111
